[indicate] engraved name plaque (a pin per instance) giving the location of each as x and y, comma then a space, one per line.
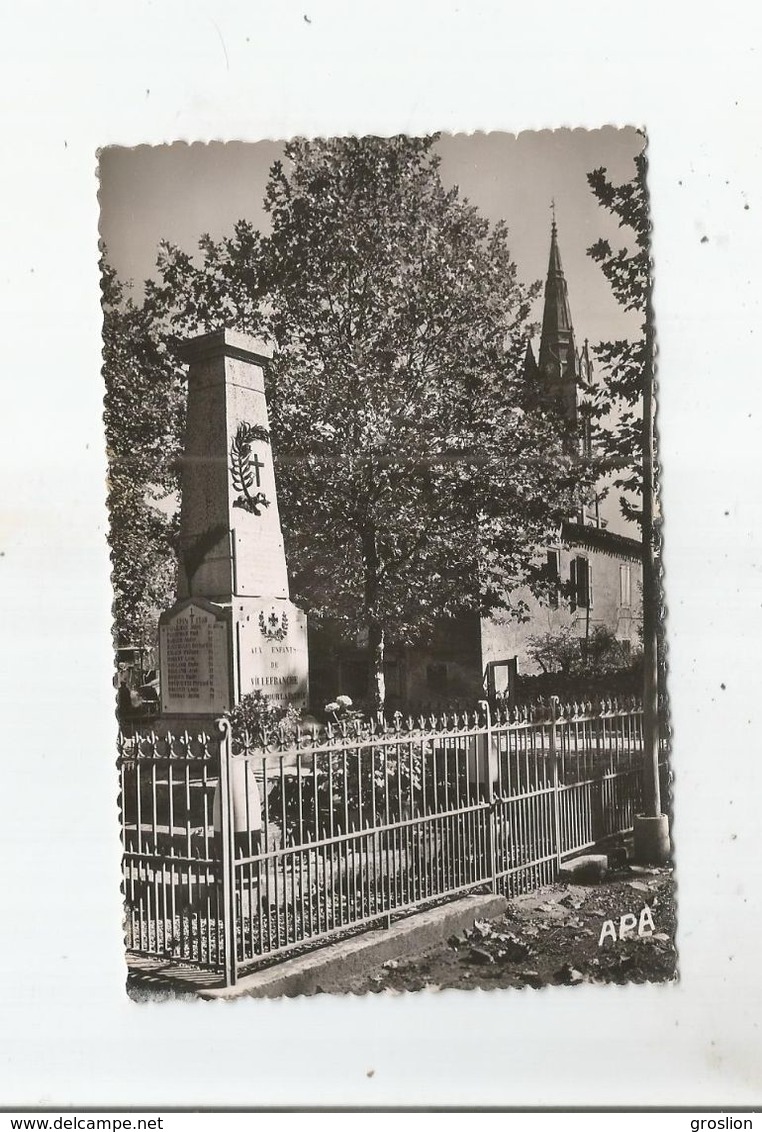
194, 652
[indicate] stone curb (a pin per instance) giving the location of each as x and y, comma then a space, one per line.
331, 967
588, 868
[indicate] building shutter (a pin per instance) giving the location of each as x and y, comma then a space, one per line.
625, 586
589, 585
554, 577
581, 579
573, 583
582, 582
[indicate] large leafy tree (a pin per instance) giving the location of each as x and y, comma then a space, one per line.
625, 361
631, 446
143, 409
413, 484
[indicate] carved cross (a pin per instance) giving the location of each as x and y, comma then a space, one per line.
256, 464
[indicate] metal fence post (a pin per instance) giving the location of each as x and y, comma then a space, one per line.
228, 856
491, 799
556, 782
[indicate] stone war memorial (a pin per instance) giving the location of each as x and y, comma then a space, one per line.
233, 629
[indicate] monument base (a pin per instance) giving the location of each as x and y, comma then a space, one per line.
213, 654
192, 725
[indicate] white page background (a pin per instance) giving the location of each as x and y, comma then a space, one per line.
83, 75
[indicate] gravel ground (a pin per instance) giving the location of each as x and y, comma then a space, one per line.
553, 936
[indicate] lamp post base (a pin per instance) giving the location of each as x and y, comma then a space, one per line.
651, 840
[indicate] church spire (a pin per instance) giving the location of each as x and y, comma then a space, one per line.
558, 355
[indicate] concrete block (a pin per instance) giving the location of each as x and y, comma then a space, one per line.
587, 869
652, 845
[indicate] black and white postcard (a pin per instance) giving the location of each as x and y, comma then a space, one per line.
392, 702
380, 547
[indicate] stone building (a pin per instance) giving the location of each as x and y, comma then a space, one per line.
598, 571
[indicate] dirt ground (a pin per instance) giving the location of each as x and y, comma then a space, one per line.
553, 936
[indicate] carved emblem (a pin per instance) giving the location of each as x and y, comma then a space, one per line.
274, 628
245, 470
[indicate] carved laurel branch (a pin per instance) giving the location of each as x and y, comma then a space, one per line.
269, 629
241, 468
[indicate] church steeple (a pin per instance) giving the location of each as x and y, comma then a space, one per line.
558, 361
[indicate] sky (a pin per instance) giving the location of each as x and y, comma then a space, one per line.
178, 192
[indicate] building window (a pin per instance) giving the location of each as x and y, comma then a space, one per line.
553, 572
436, 679
581, 579
625, 586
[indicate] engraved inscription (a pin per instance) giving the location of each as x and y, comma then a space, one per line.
194, 674
273, 654
190, 659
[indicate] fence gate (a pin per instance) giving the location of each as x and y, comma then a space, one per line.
171, 860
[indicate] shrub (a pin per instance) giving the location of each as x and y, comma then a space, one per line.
572, 656
264, 724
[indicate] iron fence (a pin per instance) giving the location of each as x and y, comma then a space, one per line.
171, 873
235, 852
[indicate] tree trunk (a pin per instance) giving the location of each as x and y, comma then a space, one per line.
376, 684
376, 690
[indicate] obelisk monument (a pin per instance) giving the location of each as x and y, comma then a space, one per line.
233, 629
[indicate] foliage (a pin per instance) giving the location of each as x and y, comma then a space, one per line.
143, 417
626, 363
346, 789
568, 655
555, 652
341, 711
262, 722
344, 779
412, 482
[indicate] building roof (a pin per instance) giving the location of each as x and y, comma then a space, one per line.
558, 364
557, 329
600, 539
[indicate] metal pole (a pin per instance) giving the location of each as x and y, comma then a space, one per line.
228, 856
556, 784
651, 827
492, 810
